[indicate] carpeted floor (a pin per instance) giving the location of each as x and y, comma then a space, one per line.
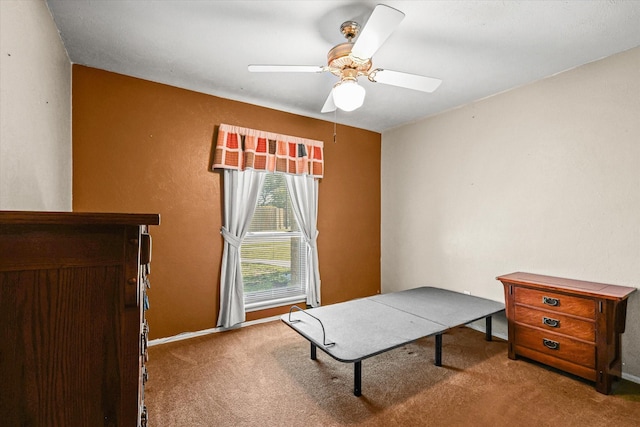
261, 375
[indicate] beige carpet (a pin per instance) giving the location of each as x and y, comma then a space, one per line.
261, 375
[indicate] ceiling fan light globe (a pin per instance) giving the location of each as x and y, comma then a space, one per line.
348, 95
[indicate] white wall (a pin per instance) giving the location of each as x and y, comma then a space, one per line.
35, 110
542, 179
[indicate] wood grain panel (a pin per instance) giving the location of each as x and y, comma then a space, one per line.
60, 347
577, 306
572, 286
566, 325
42, 246
569, 349
565, 365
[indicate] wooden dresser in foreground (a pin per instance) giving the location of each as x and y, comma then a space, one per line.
572, 325
72, 325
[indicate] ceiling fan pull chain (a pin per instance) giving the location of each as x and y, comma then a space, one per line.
335, 113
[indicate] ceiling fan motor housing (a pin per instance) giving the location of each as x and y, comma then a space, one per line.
340, 59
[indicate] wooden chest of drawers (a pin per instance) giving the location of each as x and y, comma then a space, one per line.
571, 325
73, 332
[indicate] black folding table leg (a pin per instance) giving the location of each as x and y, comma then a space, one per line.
313, 351
357, 378
438, 350
488, 328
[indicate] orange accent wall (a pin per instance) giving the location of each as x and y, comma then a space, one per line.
144, 147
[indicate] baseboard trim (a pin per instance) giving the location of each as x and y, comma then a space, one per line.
188, 335
493, 334
631, 378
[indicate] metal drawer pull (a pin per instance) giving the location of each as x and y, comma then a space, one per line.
551, 301
551, 322
550, 344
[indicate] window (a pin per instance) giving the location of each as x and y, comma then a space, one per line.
273, 254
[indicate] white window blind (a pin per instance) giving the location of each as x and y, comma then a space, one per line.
273, 253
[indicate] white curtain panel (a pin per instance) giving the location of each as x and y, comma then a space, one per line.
304, 199
241, 190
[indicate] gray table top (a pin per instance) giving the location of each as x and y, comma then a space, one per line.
365, 327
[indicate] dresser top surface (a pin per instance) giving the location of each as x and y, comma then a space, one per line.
576, 286
76, 218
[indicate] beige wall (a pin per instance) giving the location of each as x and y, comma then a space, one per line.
35, 110
543, 179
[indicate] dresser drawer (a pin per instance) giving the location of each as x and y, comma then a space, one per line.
556, 322
555, 345
566, 304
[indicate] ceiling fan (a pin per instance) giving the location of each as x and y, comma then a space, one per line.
351, 60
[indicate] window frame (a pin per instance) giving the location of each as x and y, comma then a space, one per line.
256, 304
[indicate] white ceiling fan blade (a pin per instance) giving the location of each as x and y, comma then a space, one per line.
285, 69
329, 105
382, 22
409, 81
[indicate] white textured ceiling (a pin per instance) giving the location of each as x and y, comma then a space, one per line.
478, 48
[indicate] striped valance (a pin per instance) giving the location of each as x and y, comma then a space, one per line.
241, 148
